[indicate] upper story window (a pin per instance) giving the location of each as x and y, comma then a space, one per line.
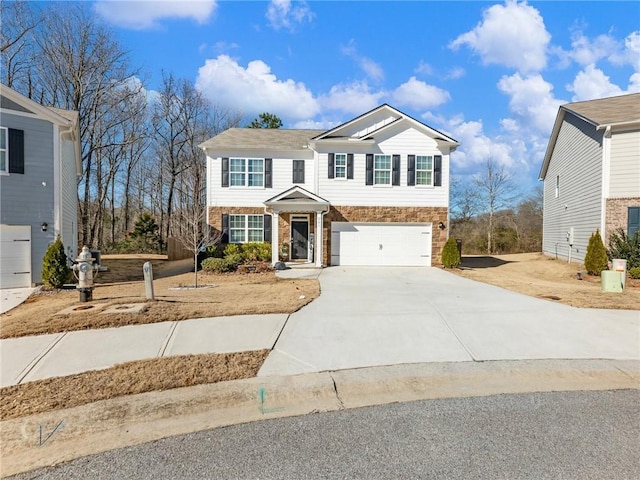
424, 170
341, 165
246, 172
4, 151
246, 228
382, 169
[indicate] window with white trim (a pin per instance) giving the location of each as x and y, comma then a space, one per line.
382, 169
424, 170
340, 165
246, 228
246, 172
4, 150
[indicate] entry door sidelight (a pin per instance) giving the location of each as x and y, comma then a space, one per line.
299, 240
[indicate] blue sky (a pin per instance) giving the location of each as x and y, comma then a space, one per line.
490, 74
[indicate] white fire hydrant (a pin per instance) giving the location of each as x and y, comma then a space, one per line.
83, 270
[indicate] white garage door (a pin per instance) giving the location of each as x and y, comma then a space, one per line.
390, 244
15, 256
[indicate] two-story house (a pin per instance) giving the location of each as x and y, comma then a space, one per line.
39, 167
591, 174
372, 191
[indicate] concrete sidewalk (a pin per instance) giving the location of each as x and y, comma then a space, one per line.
32, 358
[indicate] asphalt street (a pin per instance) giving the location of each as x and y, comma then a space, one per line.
577, 435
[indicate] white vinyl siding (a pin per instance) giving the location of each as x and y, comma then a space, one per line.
399, 141
624, 178
69, 198
577, 161
218, 196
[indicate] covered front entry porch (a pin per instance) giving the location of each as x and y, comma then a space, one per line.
297, 219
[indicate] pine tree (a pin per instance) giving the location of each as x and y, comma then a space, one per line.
450, 254
595, 261
55, 268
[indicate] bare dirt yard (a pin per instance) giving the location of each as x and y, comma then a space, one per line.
530, 273
538, 275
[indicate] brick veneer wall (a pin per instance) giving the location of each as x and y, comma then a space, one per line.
433, 215
617, 214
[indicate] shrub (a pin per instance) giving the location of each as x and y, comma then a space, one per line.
595, 261
257, 251
634, 272
218, 265
55, 267
233, 249
626, 247
450, 254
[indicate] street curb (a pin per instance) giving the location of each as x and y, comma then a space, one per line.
50, 438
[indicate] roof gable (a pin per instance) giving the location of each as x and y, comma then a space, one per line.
366, 126
260, 138
23, 104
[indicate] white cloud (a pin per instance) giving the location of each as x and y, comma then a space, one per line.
531, 101
592, 83
418, 95
287, 14
255, 89
372, 69
144, 14
585, 51
455, 73
354, 98
513, 35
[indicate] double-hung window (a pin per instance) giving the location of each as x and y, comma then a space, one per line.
246, 172
4, 150
424, 170
382, 169
246, 228
340, 165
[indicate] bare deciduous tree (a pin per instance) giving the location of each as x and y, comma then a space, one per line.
496, 191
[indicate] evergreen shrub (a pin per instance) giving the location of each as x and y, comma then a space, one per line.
595, 261
450, 254
55, 266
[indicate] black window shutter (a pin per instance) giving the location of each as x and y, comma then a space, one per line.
267, 227
225, 172
16, 151
331, 172
298, 171
225, 228
411, 170
350, 166
369, 166
395, 175
268, 173
437, 171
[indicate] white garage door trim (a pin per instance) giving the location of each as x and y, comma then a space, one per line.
15, 256
381, 244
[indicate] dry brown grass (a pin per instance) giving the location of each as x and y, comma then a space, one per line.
238, 294
540, 276
127, 379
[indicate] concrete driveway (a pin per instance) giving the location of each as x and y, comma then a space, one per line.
369, 316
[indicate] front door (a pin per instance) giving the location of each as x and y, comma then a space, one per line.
299, 239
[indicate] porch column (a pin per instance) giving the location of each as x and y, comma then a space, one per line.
319, 233
275, 247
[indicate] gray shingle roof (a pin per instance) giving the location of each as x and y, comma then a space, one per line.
604, 111
273, 138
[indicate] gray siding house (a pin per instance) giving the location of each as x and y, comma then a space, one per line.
39, 168
591, 174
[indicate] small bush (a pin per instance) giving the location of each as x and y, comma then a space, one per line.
595, 260
55, 266
233, 249
634, 273
450, 254
257, 251
218, 265
626, 247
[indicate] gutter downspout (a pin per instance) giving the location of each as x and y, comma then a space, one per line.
606, 168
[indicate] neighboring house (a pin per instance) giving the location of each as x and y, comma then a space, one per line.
39, 167
372, 191
591, 174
